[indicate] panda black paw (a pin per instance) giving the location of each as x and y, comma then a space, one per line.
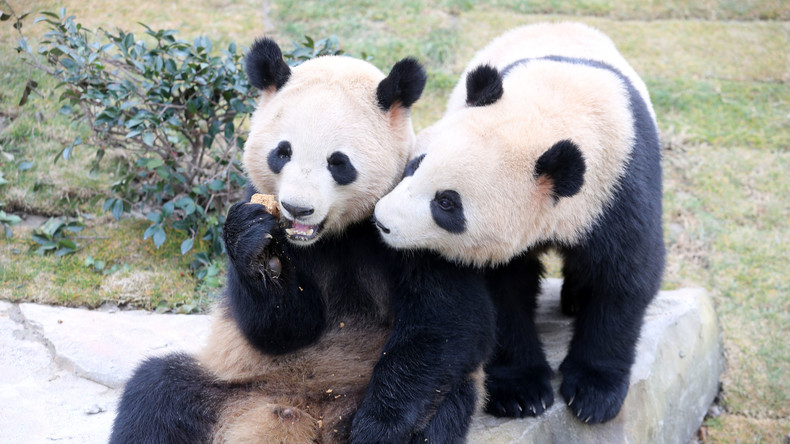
518, 392
250, 234
594, 393
367, 429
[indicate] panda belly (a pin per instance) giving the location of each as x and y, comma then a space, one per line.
305, 396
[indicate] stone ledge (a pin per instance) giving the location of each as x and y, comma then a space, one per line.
51, 355
673, 382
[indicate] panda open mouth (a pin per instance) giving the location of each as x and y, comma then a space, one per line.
302, 232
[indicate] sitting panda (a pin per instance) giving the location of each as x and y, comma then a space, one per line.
325, 334
549, 140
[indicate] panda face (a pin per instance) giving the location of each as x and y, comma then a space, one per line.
442, 203
534, 167
325, 148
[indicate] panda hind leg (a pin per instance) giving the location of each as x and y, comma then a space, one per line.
596, 371
518, 375
170, 399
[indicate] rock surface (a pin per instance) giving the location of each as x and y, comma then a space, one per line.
673, 382
62, 369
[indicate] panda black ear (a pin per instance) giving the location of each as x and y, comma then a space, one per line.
265, 65
563, 167
483, 86
404, 84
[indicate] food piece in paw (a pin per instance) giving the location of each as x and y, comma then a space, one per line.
268, 201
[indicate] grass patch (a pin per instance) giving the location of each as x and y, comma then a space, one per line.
652, 10
135, 273
727, 230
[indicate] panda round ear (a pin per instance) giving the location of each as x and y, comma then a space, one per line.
561, 169
483, 86
403, 85
265, 65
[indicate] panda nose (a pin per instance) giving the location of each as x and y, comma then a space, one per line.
297, 211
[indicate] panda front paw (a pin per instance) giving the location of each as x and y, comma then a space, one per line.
594, 393
367, 429
518, 392
250, 234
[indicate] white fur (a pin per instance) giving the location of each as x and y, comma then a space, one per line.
329, 104
488, 154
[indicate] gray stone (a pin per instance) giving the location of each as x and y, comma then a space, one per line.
40, 402
105, 347
673, 381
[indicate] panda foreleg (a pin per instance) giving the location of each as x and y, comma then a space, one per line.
450, 423
277, 306
613, 294
444, 330
518, 375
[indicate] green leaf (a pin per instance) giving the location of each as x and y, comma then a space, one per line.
148, 138
159, 236
117, 209
60, 252
4, 16
186, 246
67, 243
154, 162
25, 165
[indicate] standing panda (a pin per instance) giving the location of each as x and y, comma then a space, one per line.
325, 333
549, 140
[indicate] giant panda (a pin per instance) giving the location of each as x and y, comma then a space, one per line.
548, 140
325, 334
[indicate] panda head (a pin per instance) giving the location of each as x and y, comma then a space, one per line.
516, 167
328, 137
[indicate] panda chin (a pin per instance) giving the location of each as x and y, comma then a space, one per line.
298, 232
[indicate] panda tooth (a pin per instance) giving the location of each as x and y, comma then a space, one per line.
290, 231
310, 232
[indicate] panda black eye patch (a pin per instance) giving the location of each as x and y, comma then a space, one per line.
448, 211
279, 156
339, 165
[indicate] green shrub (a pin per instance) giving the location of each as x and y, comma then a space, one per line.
172, 111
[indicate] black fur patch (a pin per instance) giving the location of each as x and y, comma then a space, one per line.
448, 211
169, 399
404, 84
483, 86
564, 164
339, 165
412, 166
279, 156
265, 65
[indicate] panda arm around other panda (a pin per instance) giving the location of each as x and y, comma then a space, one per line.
443, 333
277, 308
